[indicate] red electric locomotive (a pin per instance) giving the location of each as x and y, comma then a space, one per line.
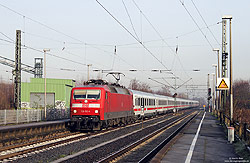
98, 104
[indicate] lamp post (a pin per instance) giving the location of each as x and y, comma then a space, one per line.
45, 91
217, 103
218, 54
88, 65
218, 76
213, 107
208, 93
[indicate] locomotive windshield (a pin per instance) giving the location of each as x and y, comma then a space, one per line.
86, 94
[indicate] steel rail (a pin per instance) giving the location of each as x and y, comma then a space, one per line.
25, 151
151, 154
52, 144
58, 136
137, 143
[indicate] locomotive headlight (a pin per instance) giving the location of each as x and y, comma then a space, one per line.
96, 111
74, 111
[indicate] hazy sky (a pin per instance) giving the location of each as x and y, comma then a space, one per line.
81, 32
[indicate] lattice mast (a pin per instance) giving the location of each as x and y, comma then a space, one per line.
17, 71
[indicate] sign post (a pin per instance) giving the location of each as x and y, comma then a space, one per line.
142, 113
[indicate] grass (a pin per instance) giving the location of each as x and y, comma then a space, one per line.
241, 150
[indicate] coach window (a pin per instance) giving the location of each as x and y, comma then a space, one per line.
106, 95
142, 102
137, 102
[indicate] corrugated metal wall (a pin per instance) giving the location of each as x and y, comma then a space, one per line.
60, 87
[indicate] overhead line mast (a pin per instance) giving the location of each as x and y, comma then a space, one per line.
224, 66
18, 67
17, 71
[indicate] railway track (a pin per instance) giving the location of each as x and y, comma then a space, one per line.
52, 137
125, 143
115, 157
24, 149
31, 149
21, 149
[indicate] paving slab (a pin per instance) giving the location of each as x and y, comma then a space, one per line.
211, 144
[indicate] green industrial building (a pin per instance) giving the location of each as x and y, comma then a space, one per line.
57, 93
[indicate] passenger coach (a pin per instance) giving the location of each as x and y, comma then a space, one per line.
149, 104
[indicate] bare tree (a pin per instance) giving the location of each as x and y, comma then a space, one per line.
140, 86
241, 93
6, 95
163, 91
182, 95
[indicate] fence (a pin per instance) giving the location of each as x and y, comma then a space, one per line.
32, 115
241, 129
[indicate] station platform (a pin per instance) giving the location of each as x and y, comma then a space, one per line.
31, 125
203, 141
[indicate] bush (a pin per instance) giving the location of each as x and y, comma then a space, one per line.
6, 95
241, 95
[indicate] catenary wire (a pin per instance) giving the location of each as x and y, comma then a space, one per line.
205, 23
41, 51
130, 19
196, 24
158, 33
139, 40
65, 35
132, 35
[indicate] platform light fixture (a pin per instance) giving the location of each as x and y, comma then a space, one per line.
45, 86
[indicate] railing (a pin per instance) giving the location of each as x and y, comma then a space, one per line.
32, 115
241, 129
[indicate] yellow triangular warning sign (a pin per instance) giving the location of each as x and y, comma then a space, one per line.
223, 84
